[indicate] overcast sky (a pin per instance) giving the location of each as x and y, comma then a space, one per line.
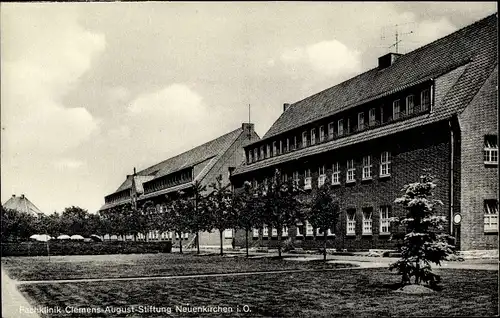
91, 90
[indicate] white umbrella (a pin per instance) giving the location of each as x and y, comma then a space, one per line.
77, 237
63, 237
43, 238
34, 237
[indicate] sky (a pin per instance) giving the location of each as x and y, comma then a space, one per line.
91, 90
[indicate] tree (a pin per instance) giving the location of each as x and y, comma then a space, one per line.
174, 218
221, 209
74, 219
324, 211
196, 215
17, 225
248, 208
424, 242
281, 204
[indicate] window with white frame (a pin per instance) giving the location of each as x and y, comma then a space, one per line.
385, 212
410, 104
307, 179
371, 117
367, 221
298, 230
385, 164
275, 150
256, 154
351, 171
309, 229
255, 232
490, 149
295, 146
321, 133
286, 146
265, 185
367, 167
296, 177
284, 232
340, 127
329, 232
330, 131
262, 151
186, 235
304, 139
268, 151
396, 109
321, 176
361, 121
274, 232
313, 136
265, 231
491, 215
335, 173
351, 222
228, 233
425, 99
280, 150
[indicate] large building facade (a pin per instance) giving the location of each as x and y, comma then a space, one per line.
433, 110
201, 164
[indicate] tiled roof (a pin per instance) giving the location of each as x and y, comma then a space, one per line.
476, 41
475, 45
22, 204
115, 204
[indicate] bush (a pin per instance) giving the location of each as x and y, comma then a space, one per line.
84, 248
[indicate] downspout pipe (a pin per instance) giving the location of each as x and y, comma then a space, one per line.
452, 167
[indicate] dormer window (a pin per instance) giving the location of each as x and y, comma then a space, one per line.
410, 104
396, 109
294, 143
255, 154
268, 151
274, 149
340, 127
361, 121
313, 136
425, 98
281, 147
304, 139
330, 131
321, 134
371, 117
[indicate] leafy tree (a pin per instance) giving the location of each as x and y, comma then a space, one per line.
195, 212
17, 225
221, 209
424, 242
281, 205
324, 211
75, 220
174, 219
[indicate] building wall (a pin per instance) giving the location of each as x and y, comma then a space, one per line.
423, 148
478, 181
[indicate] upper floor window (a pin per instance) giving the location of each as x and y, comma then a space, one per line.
294, 145
330, 131
371, 117
265, 231
256, 154
490, 215
286, 147
262, 155
275, 149
255, 232
367, 167
321, 176
361, 121
268, 151
350, 171
367, 221
280, 151
410, 103
304, 139
490, 149
321, 133
309, 229
296, 178
307, 179
255, 184
340, 127
425, 99
351, 222
228, 233
313, 136
335, 173
384, 219
396, 109
284, 177
385, 164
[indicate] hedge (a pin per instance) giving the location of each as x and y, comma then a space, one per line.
84, 248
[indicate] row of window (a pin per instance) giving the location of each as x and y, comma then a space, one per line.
169, 181
116, 197
341, 127
366, 172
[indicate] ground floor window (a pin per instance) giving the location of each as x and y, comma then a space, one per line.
309, 229
351, 222
491, 215
384, 219
255, 232
367, 221
228, 233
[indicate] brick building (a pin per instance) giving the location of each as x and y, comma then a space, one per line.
434, 108
160, 181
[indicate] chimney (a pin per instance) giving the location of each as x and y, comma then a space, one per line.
22, 196
13, 195
248, 127
286, 106
387, 60
135, 172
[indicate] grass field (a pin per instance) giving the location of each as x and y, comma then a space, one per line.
140, 265
348, 293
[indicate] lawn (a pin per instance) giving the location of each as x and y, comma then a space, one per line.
140, 265
345, 293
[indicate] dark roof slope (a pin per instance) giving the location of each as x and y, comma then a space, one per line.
22, 204
478, 40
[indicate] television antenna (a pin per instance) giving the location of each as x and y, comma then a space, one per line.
397, 31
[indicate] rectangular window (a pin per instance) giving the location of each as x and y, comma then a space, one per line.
284, 177
490, 149
385, 164
274, 232
490, 215
228, 233
255, 232
280, 151
295, 143
309, 229
296, 178
335, 173
367, 167
304, 139
351, 171
384, 219
255, 184
265, 231
307, 179
313, 136
410, 104
361, 121
284, 232
275, 149
371, 117
262, 156
367, 221
351, 222
340, 127
321, 134
321, 176
425, 99
330, 131
396, 109
268, 151
298, 230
